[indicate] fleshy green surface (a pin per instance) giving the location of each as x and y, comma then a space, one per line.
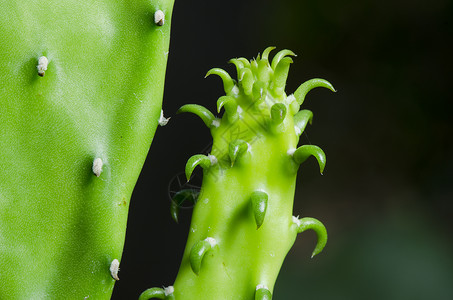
60, 225
246, 199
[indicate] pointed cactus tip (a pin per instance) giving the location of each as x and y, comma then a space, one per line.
198, 159
159, 18
303, 152
262, 292
280, 75
308, 85
43, 62
231, 107
259, 200
320, 230
97, 166
198, 251
114, 269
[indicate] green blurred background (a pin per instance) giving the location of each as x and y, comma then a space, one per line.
386, 196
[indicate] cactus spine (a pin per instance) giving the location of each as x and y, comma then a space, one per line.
246, 199
81, 93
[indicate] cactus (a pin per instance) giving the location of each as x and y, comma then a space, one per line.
242, 224
81, 93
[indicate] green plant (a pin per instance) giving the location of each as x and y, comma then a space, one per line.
81, 93
242, 224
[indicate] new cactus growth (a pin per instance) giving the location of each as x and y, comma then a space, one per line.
81, 91
243, 224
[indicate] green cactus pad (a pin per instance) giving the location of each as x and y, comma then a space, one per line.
81, 92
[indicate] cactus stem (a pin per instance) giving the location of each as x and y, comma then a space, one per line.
97, 166
262, 293
43, 62
159, 18
114, 269
259, 201
162, 120
198, 251
315, 225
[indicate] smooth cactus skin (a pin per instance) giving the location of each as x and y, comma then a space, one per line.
246, 198
73, 138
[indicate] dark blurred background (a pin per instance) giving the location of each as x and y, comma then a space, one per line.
386, 196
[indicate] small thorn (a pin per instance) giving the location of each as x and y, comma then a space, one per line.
162, 120
97, 167
303, 152
198, 251
202, 112
114, 269
198, 159
228, 83
159, 18
259, 201
301, 119
236, 149
153, 293
262, 292
278, 113
281, 54
318, 228
43, 62
308, 85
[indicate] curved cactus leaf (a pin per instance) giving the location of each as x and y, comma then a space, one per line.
238, 64
194, 161
263, 293
316, 226
231, 107
246, 81
201, 111
308, 85
152, 293
301, 119
305, 151
198, 251
228, 83
281, 54
266, 52
278, 113
236, 149
185, 195
280, 75
259, 201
